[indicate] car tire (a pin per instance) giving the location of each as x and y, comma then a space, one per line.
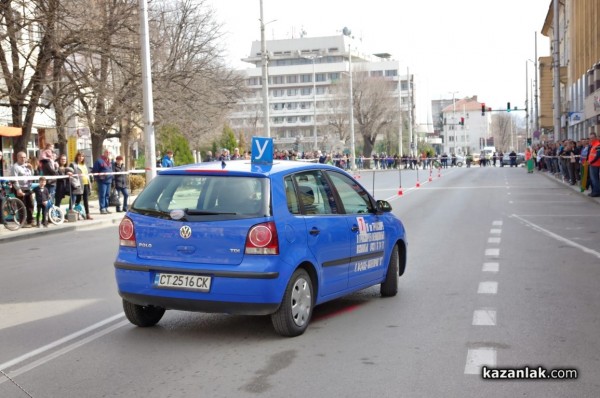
389, 287
295, 311
459, 164
143, 316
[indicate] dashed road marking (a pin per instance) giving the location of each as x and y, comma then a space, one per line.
488, 287
495, 231
479, 357
491, 267
484, 317
494, 240
492, 252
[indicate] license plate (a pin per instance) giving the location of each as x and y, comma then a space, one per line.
182, 281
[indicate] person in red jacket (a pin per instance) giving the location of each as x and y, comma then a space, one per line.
594, 162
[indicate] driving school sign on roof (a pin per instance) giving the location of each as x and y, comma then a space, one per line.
262, 150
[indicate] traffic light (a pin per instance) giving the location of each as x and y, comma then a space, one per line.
482, 109
508, 107
462, 121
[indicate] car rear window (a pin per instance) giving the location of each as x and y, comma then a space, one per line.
205, 196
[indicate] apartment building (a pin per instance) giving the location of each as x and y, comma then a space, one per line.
578, 47
308, 87
465, 129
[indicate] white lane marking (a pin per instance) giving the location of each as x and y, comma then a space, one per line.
492, 252
558, 237
488, 287
62, 351
479, 357
58, 342
495, 231
484, 317
494, 240
490, 267
497, 223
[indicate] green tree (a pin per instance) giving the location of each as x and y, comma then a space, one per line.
170, 138
228, 140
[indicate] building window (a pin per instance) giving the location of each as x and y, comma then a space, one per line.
306, 91
334, 76
305, 78
404, 85
321, 77
321, 90
292, 79
292, 119
278, 93
390, 73
292, 92
377, 73
277, 80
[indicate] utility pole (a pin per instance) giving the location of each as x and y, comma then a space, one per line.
150, 162
265, 77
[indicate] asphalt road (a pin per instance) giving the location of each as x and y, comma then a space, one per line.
503, 270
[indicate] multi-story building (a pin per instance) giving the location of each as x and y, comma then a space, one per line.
307, 88
578, 47
465, 129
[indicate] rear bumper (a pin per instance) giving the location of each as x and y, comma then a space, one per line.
182, 304
243, 292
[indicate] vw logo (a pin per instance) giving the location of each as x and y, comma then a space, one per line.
185, 232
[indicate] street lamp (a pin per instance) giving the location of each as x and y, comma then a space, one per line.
313, 58
348, 33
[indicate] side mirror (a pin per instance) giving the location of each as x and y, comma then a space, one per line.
384, 206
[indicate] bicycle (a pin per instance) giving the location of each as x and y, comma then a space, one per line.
56, 215
14, 213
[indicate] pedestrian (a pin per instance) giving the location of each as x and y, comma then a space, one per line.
102, 170
63, 185
22, 186
513, 158
47, 153
167, 160
529, 160
81, 183
49, 168
121, 182
594, 165
42, 197
209, 157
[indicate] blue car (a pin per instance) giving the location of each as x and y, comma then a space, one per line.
243, 238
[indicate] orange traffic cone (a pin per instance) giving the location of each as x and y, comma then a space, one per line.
400, 193
418, 184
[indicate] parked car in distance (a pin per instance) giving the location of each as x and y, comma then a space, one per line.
243, 238
520, 159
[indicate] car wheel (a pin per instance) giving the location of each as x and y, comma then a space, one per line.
293, 315
389, 287
459, 164
142, 316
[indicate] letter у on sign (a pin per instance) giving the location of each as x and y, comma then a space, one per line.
262, 150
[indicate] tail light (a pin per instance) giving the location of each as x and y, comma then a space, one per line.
262, 239
126, 233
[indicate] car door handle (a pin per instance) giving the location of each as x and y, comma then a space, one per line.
314, 231
354, 228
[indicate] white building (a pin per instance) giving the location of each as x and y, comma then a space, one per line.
304, 82
465, 128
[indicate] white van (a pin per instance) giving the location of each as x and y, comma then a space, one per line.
488, 152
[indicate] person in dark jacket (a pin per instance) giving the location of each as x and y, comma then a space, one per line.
102, 171
42, 196
121, 181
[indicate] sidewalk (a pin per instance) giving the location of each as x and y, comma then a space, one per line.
99, 220
575, 188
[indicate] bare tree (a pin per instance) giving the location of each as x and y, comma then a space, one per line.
338, 115
501, 127
26, 50
194, 90
374, 107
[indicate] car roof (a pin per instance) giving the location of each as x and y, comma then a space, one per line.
246, 168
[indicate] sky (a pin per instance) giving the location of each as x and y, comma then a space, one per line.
461, 47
